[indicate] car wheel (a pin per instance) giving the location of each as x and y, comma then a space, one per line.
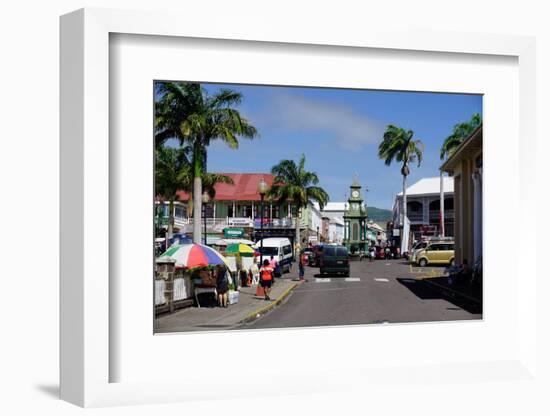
423, 262
451, 261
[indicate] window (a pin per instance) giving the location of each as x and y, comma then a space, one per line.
181, 212
230, 210
287, 250
341, 252
246, 211
269, 251
276, 211
414, 206
329, 251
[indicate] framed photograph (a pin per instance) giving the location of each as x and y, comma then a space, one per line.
316, 211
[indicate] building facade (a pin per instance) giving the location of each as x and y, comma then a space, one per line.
237, 210
423, 209
465, 167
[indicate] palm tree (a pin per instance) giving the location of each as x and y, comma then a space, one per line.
173, 173
185, 111
293, 182
461, 131
398, 144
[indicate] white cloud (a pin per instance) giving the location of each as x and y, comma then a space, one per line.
335, 121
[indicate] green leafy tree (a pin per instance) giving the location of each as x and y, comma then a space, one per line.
461, 131
398, 145
174, 174
293, 182
187, 112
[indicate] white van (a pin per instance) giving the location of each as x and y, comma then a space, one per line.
279, 248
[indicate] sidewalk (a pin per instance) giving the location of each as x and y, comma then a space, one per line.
466, 291
247, 309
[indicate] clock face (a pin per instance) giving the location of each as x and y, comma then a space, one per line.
355, 194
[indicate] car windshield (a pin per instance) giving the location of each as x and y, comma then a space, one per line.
270, 251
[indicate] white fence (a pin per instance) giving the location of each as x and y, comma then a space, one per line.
182, 288
160, 287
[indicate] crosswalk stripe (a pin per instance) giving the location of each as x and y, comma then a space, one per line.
380, 279
352, 279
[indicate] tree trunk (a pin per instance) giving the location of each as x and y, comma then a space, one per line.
197, 210
441, 206
197, 194
170, 231
297, 225
404, 209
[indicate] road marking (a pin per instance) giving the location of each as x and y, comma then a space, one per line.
352, 279
322, 280
381, 279
388, 264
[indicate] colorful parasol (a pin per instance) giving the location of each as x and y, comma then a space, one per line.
240, 250
194, 255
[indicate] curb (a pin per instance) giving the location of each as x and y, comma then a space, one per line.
456, 292
264, 309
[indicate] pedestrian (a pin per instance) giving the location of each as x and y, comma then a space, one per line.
371, 254
301, 268
222, 286
274, 265
387, 253
266, 278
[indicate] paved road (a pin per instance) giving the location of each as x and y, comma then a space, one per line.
376, 292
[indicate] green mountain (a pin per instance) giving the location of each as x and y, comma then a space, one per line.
379, 215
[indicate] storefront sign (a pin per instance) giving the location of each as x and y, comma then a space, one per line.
233, 232
242, 222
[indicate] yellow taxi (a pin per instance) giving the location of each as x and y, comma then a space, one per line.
436, 253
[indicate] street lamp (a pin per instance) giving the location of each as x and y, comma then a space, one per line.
262, 190
205, 200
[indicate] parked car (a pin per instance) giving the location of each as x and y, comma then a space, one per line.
307, 252
334, 259
421, 245
436, 253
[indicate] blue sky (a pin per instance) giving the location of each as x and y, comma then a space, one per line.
339, 131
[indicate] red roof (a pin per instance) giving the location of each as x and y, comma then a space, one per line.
244, 188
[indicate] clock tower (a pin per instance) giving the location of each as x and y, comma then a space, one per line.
355, 220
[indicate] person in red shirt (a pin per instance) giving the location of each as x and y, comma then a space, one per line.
266, 278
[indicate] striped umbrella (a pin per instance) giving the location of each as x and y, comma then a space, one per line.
240, 249
194, 255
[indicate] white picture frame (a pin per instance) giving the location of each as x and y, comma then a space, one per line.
86, 334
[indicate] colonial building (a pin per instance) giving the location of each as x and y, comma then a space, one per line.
423, 208
236, 212
465, 166
355, 220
